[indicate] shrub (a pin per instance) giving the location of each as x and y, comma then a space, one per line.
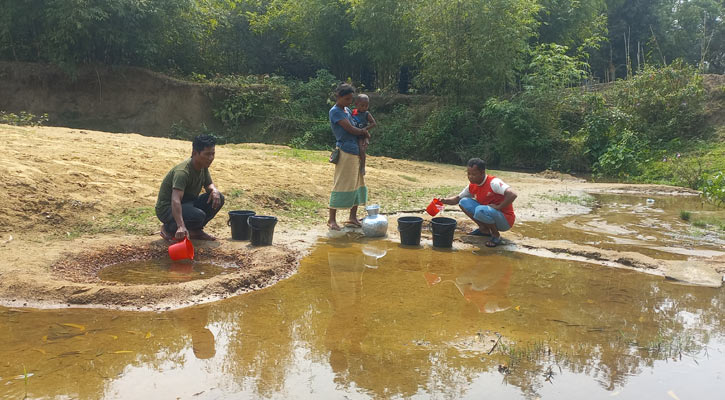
396, 136
570, 155
519, 140
665, 103
23, 119
622, 158
249, 100
447, 133
714, 188
317, 137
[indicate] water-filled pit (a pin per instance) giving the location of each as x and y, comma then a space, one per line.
161, 270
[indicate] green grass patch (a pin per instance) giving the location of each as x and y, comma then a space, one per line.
695, 161
304, 207
85, 228
296, 208
685, 215
304, 155
710, 223
234, 194
409, 178
134, 221
394, 200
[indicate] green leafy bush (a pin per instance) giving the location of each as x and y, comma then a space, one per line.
713, 188
23, 119
447, 133
318, 137
250, 98
623, 157
278, 109
665, 103
519, 139
396, 136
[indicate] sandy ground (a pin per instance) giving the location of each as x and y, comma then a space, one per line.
69, 197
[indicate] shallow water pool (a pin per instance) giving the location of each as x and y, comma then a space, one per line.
650, 225
160, 270
374, 320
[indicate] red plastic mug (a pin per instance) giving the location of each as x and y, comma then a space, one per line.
434, 207
182, 250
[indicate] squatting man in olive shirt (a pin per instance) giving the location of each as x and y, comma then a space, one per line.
179, 207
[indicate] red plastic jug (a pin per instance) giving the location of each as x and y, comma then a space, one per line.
182, 250
434, 207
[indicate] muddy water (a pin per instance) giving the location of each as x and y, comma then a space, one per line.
647, 225
162, 270
373, 320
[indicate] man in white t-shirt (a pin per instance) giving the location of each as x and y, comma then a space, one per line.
487, 200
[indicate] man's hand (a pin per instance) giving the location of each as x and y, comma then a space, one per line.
451, 201
214, 198
181, 233
495, 206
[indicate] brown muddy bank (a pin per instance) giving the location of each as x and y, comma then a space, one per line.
82, 195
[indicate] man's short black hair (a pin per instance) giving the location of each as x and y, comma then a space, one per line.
201, 142
344, 89
478, 163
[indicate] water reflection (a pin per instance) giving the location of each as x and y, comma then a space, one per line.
346, 329
482, 283
418, 325
160, 270
195, 320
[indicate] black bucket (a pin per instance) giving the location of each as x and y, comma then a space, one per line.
443, 229
409, 228
238, 222
262, 229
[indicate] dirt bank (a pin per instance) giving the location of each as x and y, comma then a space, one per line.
120, 99
70, 194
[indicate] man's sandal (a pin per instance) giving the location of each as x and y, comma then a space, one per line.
494, 241
165, 235
478, 232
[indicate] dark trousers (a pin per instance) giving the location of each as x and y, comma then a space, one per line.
196, 214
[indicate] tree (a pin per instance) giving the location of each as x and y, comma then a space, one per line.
472, 49
317, 28
571, 23
383, 35
694, 30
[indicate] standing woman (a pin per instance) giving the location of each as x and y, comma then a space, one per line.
348, 189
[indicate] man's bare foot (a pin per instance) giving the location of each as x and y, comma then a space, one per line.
355, 222
333, 226
165, 234
201, 235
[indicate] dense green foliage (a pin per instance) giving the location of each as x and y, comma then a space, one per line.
450, 47
513, 81
714, 188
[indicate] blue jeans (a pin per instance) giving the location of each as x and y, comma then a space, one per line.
196, 214
485, 214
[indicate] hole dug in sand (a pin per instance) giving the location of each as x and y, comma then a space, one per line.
143, 277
